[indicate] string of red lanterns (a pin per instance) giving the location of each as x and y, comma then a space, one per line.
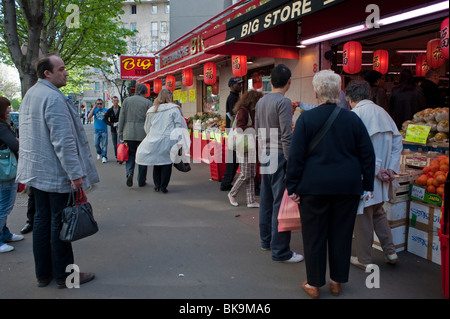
209, 73
157, 85
381, 61
352, 57
187, 77
444, 38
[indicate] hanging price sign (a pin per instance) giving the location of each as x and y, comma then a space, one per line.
417, 133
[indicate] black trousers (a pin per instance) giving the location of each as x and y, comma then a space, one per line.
51, 255
327, 221
161, 175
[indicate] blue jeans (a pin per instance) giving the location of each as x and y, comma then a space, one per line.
271, 194
51, 255
101, 142
8, 192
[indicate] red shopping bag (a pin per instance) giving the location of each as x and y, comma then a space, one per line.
122, 152
288, 215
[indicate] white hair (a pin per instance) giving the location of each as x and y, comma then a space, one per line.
327, 86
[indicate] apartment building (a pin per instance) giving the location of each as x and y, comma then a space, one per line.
151, 18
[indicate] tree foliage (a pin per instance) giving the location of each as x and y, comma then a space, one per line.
83, 32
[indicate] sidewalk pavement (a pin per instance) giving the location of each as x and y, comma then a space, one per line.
189, 244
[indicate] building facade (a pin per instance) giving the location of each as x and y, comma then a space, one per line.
151, 19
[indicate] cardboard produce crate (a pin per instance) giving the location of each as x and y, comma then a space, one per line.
424, 224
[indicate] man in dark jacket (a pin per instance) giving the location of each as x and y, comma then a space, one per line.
112, 119
431, 90
235, 85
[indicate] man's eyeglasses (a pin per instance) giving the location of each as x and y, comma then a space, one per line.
99, 103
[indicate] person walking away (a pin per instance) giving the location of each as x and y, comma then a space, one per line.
387, 143
112, 119
131, 131
245, 119
101, 130
406, 99
235, 85
378, 93
157, 148
54, 157
431, 91
8, 187
326, 183
274, 112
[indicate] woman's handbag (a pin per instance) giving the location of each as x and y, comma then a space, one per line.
288, 215
8, 165
77, 218
122, 152
181, 166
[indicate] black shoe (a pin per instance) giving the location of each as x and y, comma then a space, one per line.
44, 282
156, 189
226, 188
26, 229
130, 180
164, 190
142, 185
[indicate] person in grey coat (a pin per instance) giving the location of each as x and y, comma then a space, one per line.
131, 131
54, 157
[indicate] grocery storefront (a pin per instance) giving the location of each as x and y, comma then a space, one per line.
251, 37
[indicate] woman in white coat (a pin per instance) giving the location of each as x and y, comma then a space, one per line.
160, 146
387, 143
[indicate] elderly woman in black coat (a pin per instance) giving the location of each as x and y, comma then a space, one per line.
327, 182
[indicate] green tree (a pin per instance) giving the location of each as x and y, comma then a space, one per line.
83, 32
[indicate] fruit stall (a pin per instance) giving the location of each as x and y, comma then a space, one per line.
416, 214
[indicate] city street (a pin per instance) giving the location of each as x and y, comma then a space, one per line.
189, 244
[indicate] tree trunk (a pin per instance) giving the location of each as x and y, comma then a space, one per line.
33, 11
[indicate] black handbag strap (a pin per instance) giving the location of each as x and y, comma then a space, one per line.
323, 130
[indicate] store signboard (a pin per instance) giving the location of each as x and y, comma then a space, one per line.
135, 67
273, 14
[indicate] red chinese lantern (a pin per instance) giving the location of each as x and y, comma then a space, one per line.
239, 65
148, 89
209, 73
421, 65
352, 57
434, 54
444, 38
215, 88
157, 85
257, 80
170, 83
187, 77
381, 61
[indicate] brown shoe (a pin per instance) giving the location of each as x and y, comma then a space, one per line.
335, 288
313, 292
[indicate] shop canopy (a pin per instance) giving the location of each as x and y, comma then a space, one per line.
267, 29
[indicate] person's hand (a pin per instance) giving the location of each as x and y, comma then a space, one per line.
295, 198
383, 175
77, 183
391, 174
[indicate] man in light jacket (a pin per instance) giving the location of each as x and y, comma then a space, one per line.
54, 157
131, 131
387, 143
